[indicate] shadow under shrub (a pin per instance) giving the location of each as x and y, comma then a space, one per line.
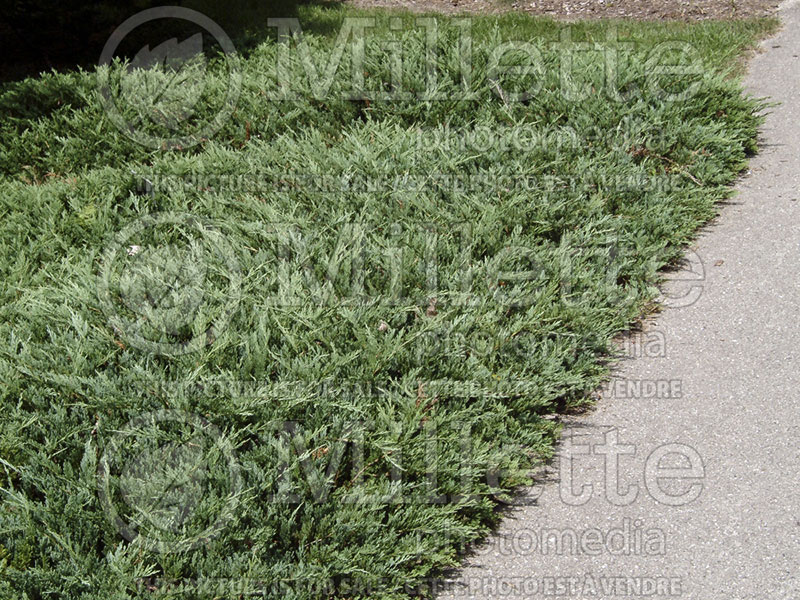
57, 34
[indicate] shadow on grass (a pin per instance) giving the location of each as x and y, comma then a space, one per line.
69, 34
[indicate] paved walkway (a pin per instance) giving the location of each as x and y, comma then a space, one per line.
713, 391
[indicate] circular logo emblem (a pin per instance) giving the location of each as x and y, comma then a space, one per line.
169, 481
169, 283
169, 95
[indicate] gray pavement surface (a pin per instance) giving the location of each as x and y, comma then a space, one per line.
711, 389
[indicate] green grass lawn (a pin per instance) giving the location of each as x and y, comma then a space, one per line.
306, 356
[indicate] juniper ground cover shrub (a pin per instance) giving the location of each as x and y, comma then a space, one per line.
307, 356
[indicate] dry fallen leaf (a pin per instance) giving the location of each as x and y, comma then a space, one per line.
431, 312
